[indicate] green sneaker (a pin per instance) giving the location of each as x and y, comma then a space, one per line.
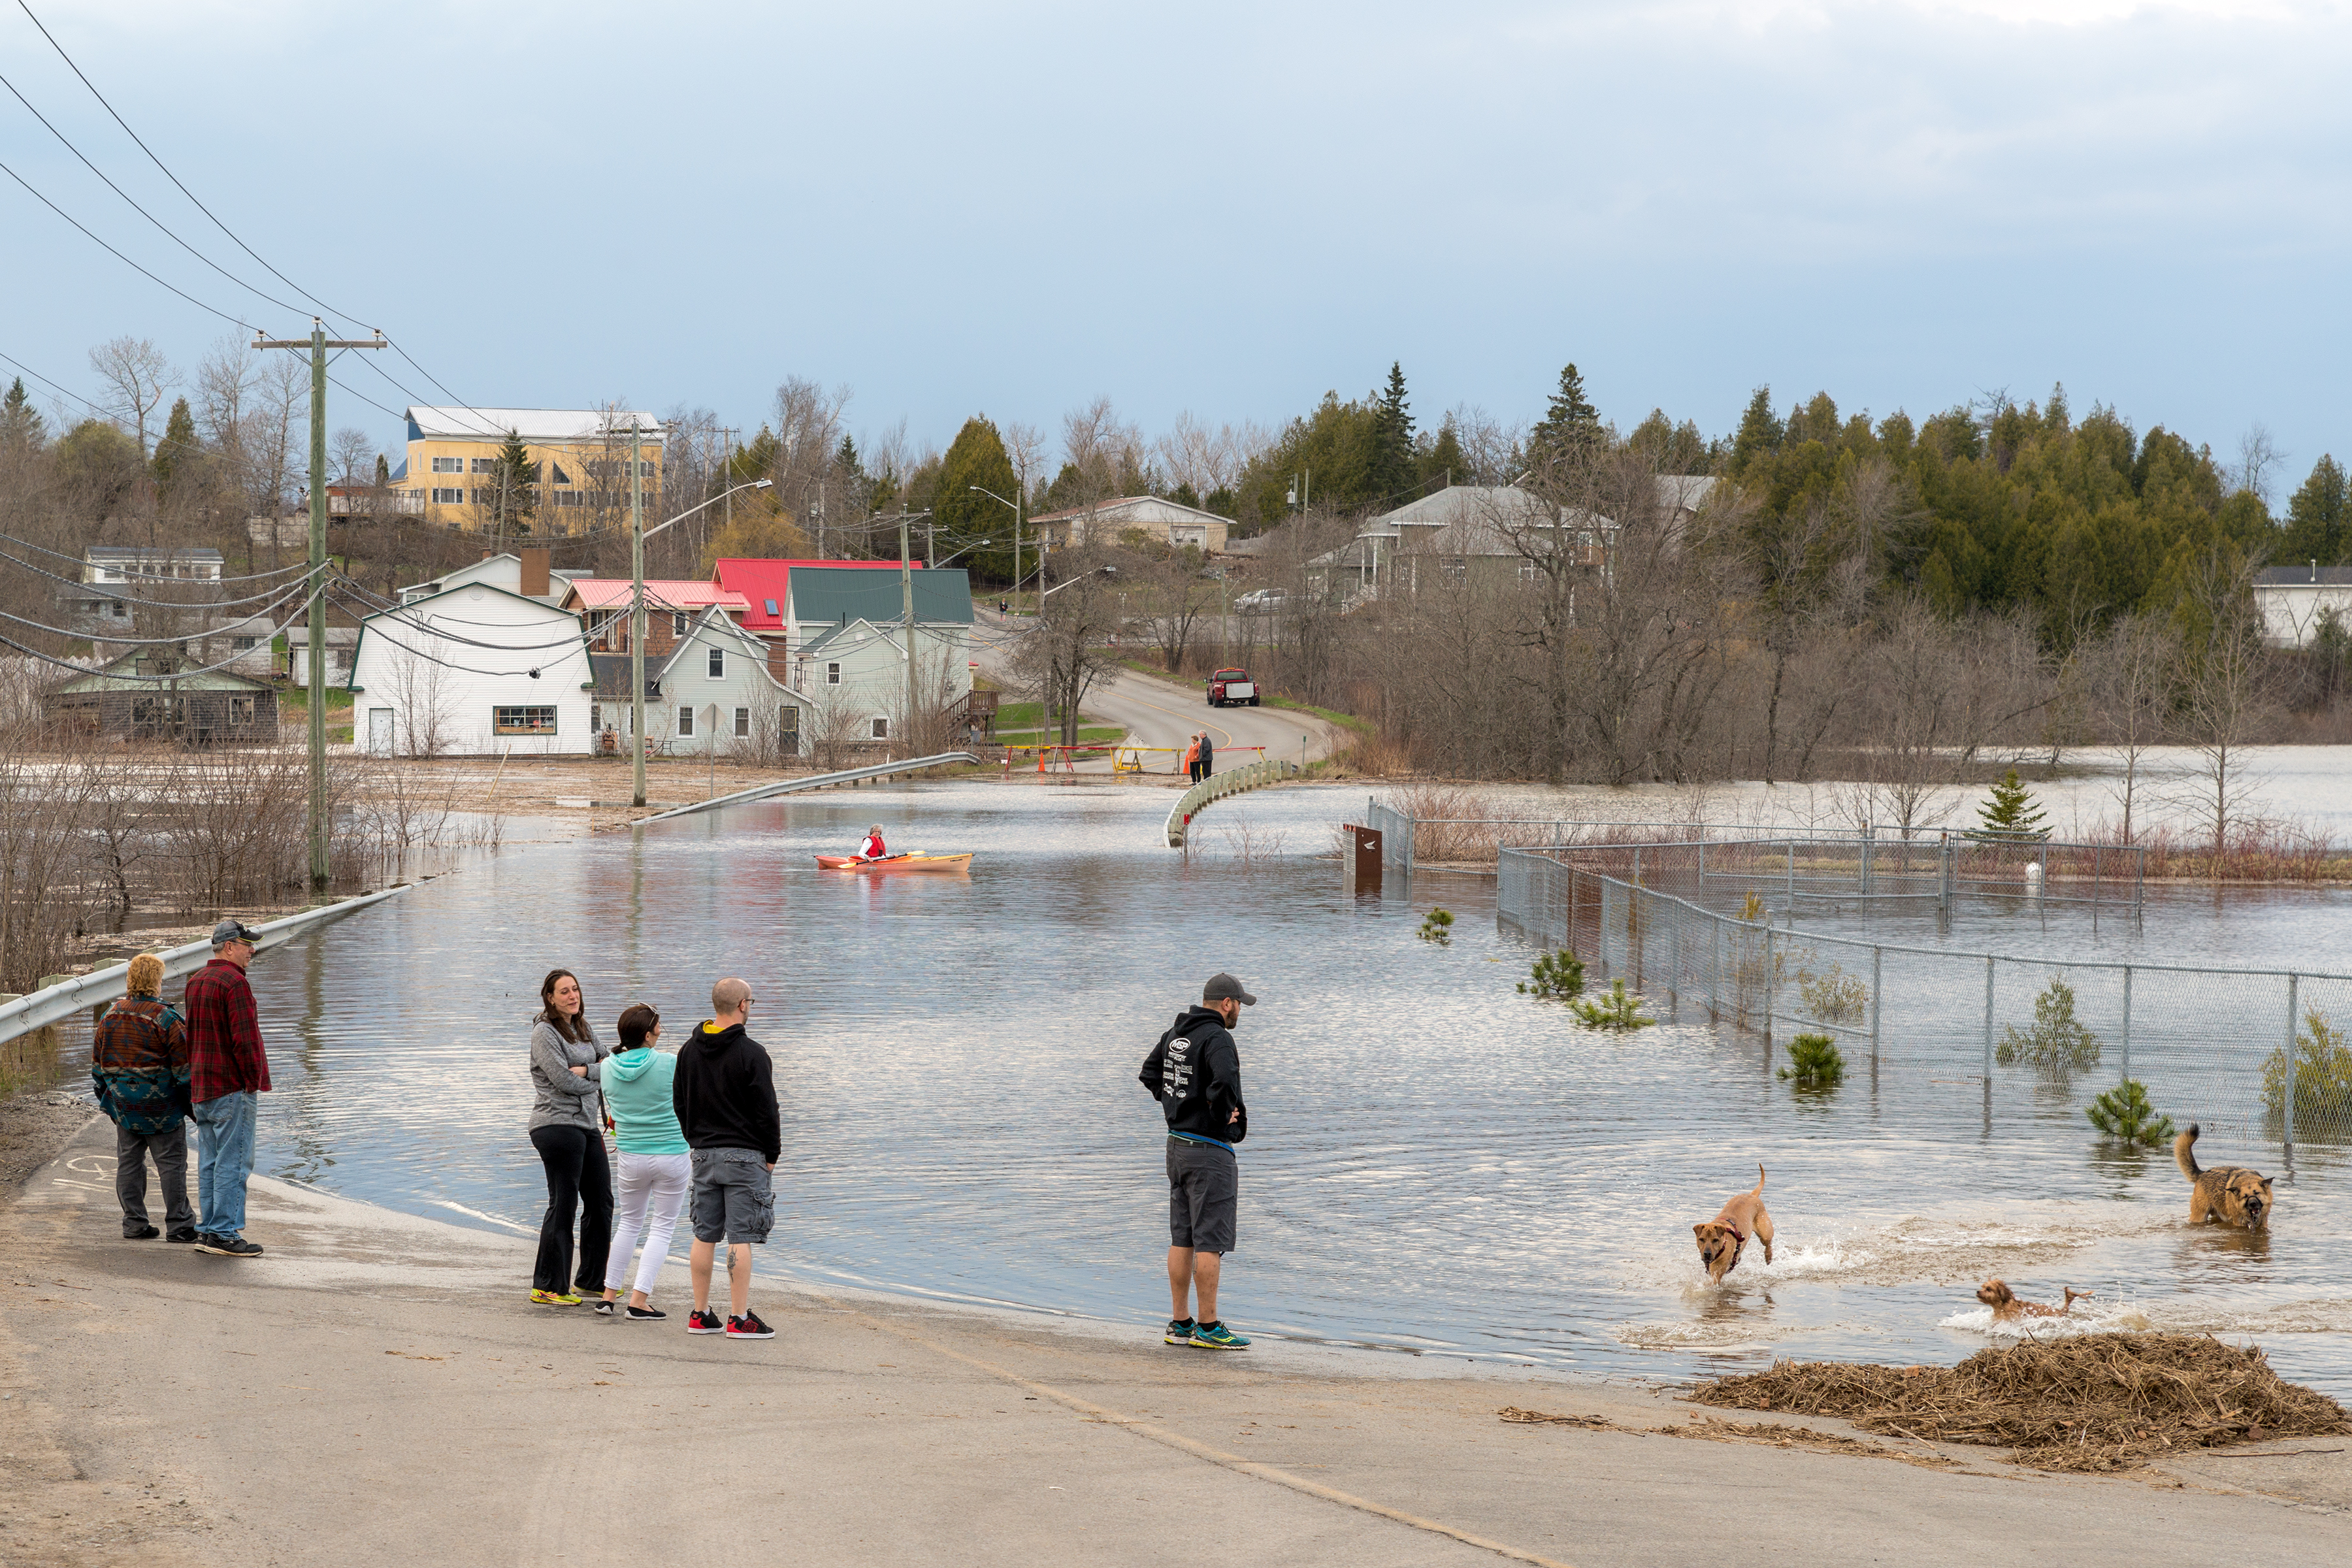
1179, 1331
1217, 1337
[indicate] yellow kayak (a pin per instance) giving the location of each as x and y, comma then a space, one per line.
895, 863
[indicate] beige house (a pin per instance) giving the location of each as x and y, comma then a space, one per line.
1106, 523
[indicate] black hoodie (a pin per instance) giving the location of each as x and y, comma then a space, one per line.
725, 1092
1196, 1075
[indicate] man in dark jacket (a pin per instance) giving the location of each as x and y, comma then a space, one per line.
138, 1065
228, 1068
725, 1096
1196, 1075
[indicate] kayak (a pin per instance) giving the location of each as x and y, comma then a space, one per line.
894, 863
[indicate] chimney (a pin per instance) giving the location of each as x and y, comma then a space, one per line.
534, 571
487, 553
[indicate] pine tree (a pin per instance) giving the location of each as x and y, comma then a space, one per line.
2123, 1115
1445, 463
20, 421
1392, 464
2010, 812
2319, 518
1760, 431
176, 451
512, 495
1570, 425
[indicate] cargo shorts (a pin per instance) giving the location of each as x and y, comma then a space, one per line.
1205, 1185
734, 1196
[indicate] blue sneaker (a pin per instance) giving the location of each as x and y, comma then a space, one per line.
1217, 1337
1179, 1331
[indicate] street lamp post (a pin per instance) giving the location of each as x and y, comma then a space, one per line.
638, 534
1043, 718
1016, 533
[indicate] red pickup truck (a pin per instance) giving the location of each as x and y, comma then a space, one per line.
1233, 689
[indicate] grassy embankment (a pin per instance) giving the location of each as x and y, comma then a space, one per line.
1019, 725
294, 709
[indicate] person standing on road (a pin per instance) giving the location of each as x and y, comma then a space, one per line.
1193, 758
227, 1070
567, 1128
655, 1169
139, 1062
1195, 1073
1208, 756
725, 1096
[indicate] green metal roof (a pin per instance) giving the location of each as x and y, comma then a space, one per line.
836, 593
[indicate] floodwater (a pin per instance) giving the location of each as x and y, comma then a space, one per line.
1438, 1166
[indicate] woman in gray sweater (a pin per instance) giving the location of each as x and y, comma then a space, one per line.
567, 1117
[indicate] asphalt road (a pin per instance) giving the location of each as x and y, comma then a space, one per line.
1162, 713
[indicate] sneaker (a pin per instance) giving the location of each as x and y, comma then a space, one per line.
605, 1306
553, 1298
1179, 1331
144, 1233
646, 1314
227, 1246
748, 1327
1217, 1337
183, 1237
704, 1321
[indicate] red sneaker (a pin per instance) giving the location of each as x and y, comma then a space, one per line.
704, 1321
748, 1327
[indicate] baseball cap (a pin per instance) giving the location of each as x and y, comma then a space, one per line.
1221, 986
234, 931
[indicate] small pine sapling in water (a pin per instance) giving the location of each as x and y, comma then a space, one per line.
2010, 812
1437, 926
1557, 976
1616, 1010
2123, 1115
1815, 1062
2322, 1079
2058, 1046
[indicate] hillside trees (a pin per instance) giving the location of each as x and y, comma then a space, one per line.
977, 459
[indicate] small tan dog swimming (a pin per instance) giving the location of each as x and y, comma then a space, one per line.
2008, 1309
1722, 1239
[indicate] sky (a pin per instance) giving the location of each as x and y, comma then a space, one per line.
1219, 208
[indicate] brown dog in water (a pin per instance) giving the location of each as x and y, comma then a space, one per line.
2008, 1309
2231, 1194
1722, 1239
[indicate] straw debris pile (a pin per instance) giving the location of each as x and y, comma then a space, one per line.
2100, 1401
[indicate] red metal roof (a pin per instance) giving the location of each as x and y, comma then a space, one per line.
762, 582
679, 593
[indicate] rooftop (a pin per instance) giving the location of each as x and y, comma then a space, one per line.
820, 594
1130, 503
529, 424
765, 583
674, 592
2303, 577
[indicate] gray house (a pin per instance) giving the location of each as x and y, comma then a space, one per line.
213, 708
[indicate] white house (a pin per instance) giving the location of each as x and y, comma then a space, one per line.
528, 573
714, 691
2291, 600
1166, 521
473, 670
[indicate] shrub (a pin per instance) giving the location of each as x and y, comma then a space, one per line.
2057, 1046
2322, 1079
1835, 998
2123, 1115
1614, 1010
1815, 1062
1437, 926
1557, 976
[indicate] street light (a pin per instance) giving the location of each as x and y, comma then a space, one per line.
1016, 533
637, 537
1102, 571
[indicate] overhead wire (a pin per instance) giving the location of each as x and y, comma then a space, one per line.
53, 386
183, 293
159, 577
100, 590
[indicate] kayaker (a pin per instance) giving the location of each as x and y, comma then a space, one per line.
872, 849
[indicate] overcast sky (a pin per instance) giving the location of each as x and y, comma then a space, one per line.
1224, 208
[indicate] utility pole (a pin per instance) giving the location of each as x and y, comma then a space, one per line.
317, 342
906, 596
637, 621
727, 435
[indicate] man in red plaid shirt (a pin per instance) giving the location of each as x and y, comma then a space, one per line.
228, 1068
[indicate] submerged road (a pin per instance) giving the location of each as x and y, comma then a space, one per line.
1157, 712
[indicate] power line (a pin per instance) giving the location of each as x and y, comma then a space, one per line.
149, 603
53, 386
183, 293
292, 589
158, 577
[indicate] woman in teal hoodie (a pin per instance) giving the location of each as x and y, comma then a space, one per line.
655, 1166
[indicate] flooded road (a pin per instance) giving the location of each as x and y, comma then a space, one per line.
1436, 1166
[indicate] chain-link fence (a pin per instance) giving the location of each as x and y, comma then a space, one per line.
2252, 1056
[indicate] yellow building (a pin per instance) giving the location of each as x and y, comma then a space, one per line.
579, 467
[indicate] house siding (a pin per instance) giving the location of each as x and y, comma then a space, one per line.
450, 707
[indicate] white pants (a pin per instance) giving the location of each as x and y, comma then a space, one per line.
655, 1182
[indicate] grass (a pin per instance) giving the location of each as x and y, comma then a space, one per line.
1329, 715
300, 697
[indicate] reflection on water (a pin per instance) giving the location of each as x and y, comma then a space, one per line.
1436, 1163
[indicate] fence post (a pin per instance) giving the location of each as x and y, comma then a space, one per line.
1988, 1030
2287, 1103
2127, 968
1702, 870
1769, 990
1792, 878
1944, 877
1869, 842
1715, 969
1875, 956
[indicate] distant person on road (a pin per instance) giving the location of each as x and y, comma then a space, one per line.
873, 848
1195, 1073
1192, 759
655, 1169
567, 1128
725, 1095
228, 1071
1208, 754
139, 1061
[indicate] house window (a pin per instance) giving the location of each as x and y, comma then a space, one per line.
718, 663
772, 606
119, 610
1528, 571
567, 497
678, 624
485, 465
561, 477
1455, 567
522, 720
833, 675
243, 644
240, 711
449, 464
881, 728
686, 720
447, 497
645, 469
742, 722
595, 718
788, 729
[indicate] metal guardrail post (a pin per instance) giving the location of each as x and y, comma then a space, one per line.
2287, 1103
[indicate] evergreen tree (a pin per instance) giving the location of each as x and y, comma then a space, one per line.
1760, 432
2010, 812
977, 457
1445, 463
177, 452
512, 498
1571, 424
382, 471
1392, 454
2319, 518
20, 421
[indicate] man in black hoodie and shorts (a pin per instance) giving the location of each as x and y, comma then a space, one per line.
1196, 1075
725, 1096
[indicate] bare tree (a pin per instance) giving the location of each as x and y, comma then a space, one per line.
2132, 680
1063, 655
351, 457
135, 375
2227, 698
2258, 458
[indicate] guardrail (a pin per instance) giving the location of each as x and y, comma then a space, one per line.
1233, 780
814, 781
37, 1009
